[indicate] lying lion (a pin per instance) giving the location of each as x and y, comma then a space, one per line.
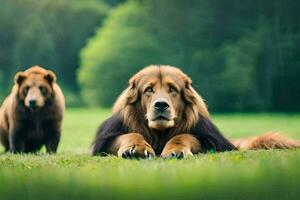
160, 113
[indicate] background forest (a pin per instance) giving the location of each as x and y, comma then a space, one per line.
243, 55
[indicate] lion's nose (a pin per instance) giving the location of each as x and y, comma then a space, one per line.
161, 106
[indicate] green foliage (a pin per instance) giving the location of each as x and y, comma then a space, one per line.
110, 58
49, 33
41, 44
242, 56
1, 87
236, 63
129, 39
240, 60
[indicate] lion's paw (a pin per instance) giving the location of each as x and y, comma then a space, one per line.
136, 151
177, 152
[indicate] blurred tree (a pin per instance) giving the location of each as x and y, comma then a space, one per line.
8, 34
1, 86
101, 77
142, 33
242, 55
49, 33
35, 46
114, 2
233, 50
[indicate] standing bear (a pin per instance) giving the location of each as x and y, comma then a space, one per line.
31, 116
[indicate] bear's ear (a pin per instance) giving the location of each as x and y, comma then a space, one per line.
19, 78
50, 77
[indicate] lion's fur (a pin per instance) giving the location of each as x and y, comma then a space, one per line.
128, 111
186, 143
266, 141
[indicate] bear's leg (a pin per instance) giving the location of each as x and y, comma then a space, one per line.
52, 136
52, 143
16, 141
4, 139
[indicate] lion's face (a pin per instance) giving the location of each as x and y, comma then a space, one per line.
164, 97
35, 88
161, 98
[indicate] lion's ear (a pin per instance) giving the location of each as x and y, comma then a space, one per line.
128, 96
194, 98
19, 78
50, 77
188, 92
132, 93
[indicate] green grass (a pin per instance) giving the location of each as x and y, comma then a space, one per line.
74, 174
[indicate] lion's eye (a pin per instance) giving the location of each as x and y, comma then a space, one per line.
149, 90
172, 89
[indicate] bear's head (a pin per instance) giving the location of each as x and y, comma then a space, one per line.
35, 87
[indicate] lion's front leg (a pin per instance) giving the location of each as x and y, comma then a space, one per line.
181, 146
132, 145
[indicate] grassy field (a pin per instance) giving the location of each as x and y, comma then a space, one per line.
74, 174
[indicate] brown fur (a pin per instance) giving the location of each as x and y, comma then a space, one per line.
32, 114
181, 146
186, 115
129, 111
131, 144
266, 141
132, 112
183, 127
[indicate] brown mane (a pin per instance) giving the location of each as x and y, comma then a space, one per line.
128, 106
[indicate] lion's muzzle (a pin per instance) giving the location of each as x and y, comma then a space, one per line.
160, 115
161, 110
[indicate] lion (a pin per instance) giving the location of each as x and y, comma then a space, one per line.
31, 116
160, 113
